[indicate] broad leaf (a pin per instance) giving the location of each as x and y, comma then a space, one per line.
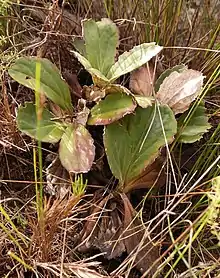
153, 176
179, 89
142, 80
98, 78
112, 108
45, 130
192, 130
116, 88
135, 58
143, 101
76, 150
166, 73
80, 46
133, 143
51, 83
101, 39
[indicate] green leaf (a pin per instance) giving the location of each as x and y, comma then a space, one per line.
101, 39
98, 78
143, 101
51, 83
166, 73
192, 130
46, 130
112, 108
133, 143
117, 88
135, 58
80, 46
77, 150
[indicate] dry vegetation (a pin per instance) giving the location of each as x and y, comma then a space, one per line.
67, 237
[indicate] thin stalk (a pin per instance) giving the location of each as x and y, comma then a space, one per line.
39, 111
15, 257
12, 238
14, 228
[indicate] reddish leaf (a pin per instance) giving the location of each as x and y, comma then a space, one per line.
142, 80
77, 150
179, 89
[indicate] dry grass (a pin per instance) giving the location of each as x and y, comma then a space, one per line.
188, 32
